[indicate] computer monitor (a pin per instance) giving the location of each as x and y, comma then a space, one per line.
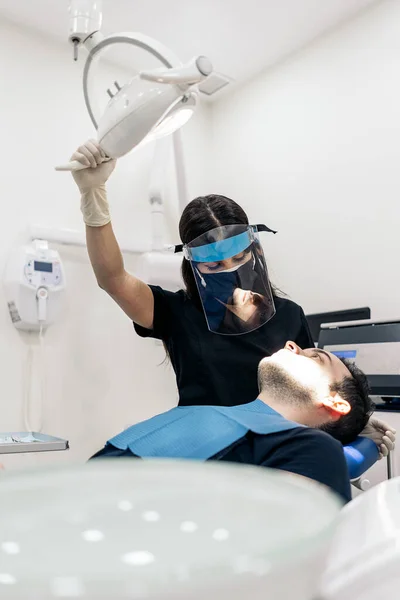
374, 346
337, 316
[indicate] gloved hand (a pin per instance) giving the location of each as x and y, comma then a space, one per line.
91, 182
90, 154
382, 434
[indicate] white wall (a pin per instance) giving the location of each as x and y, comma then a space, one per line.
312, 148
100, 376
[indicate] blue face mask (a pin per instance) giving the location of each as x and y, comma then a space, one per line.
216, 289
219, 289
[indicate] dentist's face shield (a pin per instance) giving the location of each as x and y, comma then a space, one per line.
231, 275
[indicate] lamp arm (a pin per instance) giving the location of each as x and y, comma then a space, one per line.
96, 44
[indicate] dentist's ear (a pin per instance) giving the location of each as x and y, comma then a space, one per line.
336, 406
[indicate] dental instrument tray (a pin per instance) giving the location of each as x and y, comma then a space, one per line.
12, 442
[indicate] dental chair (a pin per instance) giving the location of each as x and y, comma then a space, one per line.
360, 456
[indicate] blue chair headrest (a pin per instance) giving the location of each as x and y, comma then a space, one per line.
360, 456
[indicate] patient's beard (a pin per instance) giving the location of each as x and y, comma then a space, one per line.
281, 387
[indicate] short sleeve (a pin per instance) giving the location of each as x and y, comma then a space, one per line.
166, 311
304, 338
316, 455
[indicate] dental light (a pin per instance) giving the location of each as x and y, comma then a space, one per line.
152, 104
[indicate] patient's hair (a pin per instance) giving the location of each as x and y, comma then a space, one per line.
355, 390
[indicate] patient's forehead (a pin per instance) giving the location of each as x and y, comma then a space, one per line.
331, 363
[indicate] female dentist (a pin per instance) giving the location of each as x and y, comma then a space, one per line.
226, 320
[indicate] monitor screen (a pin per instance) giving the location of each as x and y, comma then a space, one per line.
46, 267
350, 354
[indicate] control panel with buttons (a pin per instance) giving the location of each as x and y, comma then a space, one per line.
34, 282
43, 273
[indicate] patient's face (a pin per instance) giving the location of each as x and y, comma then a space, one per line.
302, 378
311, 367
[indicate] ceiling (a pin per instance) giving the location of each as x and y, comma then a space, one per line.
241, 37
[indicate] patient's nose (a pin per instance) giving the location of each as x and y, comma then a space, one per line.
293, 348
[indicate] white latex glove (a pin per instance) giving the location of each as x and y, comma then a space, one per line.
90, 154
382, 434
91, 182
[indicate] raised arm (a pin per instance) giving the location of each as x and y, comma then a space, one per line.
131, 294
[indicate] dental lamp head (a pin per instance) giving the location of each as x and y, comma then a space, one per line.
134, 116
152, 104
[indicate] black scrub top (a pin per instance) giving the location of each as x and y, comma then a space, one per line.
219, 369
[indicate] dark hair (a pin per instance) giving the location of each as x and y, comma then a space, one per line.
201, 215
355, 390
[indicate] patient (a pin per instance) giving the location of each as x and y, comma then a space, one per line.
304, 396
